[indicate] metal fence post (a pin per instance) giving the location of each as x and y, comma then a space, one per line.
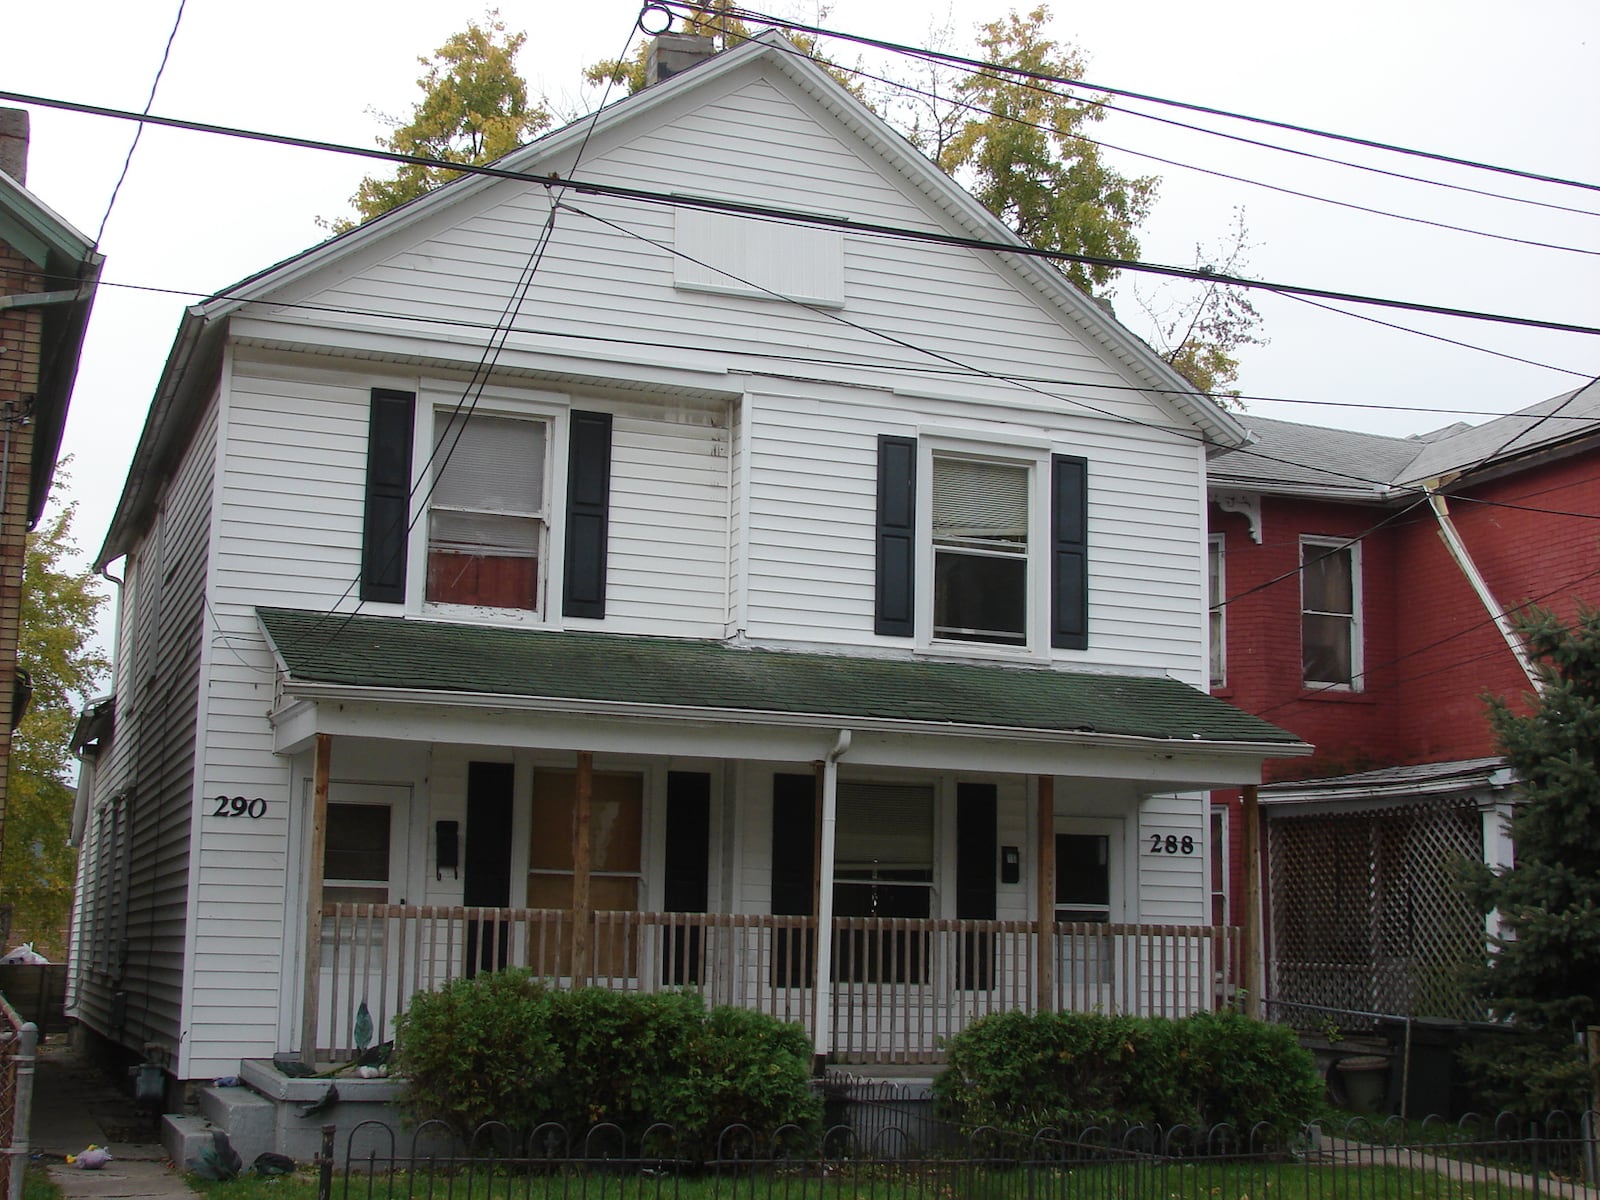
325, 1164
22, 1112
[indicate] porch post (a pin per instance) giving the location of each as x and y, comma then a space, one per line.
1045, 886
822, 1044
323, 754
1251, 951
582, 917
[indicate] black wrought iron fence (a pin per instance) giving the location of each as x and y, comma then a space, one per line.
1474, 1159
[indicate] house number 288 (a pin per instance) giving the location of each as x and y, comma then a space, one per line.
238, 806
1171, 844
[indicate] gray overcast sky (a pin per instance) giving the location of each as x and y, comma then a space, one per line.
1512, 84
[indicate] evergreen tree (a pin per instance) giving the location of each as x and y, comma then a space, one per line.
1543, 969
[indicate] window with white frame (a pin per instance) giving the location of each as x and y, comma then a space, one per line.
355, 857
980, 550
487, 516
1330, 623
883, 867
1215, 599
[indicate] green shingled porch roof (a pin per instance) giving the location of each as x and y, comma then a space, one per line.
430, 656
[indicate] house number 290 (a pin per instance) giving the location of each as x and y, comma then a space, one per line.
1171, 844
238, 806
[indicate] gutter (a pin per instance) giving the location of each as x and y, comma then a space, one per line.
822, 1045
1458, 551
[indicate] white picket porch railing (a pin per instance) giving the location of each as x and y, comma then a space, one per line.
899, 986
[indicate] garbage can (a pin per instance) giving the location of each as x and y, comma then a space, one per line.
1430, 1081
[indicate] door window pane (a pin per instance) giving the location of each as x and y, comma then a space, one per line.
1083, 877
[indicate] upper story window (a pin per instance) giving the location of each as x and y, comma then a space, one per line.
980, 550
490, 493
990, 550
1216, 593
1330, 613
487, 513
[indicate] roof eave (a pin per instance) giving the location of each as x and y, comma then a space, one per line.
567, 706
177, 393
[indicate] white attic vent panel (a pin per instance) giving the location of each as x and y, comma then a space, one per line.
741, 256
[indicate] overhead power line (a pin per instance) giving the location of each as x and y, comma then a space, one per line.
978, 64
790, 216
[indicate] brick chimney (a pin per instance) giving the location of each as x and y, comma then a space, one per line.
674, 52
14, 143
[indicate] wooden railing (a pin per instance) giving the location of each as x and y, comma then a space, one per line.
898, 986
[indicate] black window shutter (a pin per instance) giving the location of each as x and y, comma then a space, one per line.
977, 850
794, 833
794, 840
688, 865
688, 858
1069, 559
384, 533
588, 499
895, 612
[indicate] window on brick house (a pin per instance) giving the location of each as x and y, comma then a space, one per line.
1215, 595
1330, 624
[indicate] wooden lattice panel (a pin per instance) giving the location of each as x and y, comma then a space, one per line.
1366, 914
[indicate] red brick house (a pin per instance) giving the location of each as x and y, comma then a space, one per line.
1361, 598
48, 275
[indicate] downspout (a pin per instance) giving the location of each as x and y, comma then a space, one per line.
823, 998
1458, 551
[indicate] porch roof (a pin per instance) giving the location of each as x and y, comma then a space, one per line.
606, 668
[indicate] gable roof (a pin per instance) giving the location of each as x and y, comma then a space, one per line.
181, 389
583, 669
69, 259
1313, 460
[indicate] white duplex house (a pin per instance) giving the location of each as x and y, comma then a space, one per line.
572, 569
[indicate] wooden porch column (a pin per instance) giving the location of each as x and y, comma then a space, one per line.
1046, 888
322, 757
1251, 951
582, 916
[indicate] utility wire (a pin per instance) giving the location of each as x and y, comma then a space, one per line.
976, 64
936, 371
1078, 135
1439, 337
789, 216
127, 161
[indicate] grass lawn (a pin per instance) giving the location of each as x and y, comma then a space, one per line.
1212, 1181
37, 1185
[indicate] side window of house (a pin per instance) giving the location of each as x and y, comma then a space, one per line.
487, 513
1216, 593
355, 858
988, 576
1330, 623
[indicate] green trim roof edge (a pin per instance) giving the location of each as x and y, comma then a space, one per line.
610, 668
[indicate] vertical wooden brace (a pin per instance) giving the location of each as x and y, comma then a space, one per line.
582, 916
321, 762
1045, 882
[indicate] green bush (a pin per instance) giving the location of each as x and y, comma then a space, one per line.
1023, 1071
507, 1047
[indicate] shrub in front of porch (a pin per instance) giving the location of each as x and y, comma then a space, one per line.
1024, 1071
511, 1048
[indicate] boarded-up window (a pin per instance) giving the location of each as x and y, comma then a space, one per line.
616, 819
741, 256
